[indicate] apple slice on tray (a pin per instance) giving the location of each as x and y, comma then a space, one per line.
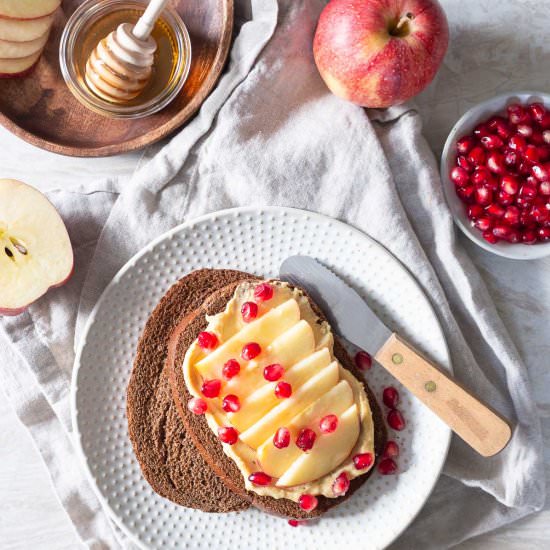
35, 249
27, 9
24, 30
19, 66
16, 50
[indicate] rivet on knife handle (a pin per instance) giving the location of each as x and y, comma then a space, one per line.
473, 421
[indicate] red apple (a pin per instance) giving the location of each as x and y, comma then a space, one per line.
27, 9
379, 53
35, 250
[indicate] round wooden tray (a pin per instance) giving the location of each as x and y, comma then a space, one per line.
41, 110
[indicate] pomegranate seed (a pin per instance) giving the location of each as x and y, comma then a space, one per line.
503, 129
545, 122
537, 111
529, 191
197, 405
511, 215
464, 163
228, 435
207, 340
249, 311
524, 202
465, 144
391, 450
306, 439
295, 522
489, 237
504, 198
307, 502
263, 292
231, 403
491, 142
544, 188
529, 236
328, 424
543, 152
516, 113
363, 460
396, 420
541, 172
483, 223
340, 485
390, 396
273, 372
515, 236
539, 214
537, 138
281, 439
525, 130
495, 162
510, 158
531, 153
211, 388
495, 210
543, 233
459, 176
387, 466
517, 143
481, 130
259, 478
466, 193
363, 361
474, 211
477, 156
250, 351
483, 196
283, 390
509, 184
230, 369
481, 176
524, 167
502, 231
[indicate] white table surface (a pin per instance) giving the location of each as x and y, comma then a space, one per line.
497, 46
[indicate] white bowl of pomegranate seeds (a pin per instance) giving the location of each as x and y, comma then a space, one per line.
495, 171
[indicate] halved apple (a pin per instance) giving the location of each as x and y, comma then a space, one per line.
17, 50
11, 68
35, 249
27, 9
24, 30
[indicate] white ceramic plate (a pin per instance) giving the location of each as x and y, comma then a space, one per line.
257, 241
465, 125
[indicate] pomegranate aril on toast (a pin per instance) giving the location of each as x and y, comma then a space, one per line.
363, 460
283, 390
306, 439
228, 434
211, 388
328, 424
263, 292
273, 372
281, 439
340, 485
231, 403
207, 340
249, 311
259, 478
308, 502
230, 369
251, 351
197, 405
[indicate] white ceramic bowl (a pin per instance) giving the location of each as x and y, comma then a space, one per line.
464, 126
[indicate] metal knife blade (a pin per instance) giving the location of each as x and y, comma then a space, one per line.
346, 311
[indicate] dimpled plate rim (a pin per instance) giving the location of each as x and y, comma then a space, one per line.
377, 379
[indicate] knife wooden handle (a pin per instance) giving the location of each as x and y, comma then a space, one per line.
473, 421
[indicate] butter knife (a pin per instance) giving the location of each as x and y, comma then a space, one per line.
351, 317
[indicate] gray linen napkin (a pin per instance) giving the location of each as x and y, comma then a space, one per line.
271, 134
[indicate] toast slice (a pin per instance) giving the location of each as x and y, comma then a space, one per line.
167, 455
208, 444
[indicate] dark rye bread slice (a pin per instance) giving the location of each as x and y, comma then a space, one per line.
167, 456
208, 444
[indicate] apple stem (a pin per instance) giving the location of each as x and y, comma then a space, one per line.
402, 25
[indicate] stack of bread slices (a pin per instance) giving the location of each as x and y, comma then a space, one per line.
180, 456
